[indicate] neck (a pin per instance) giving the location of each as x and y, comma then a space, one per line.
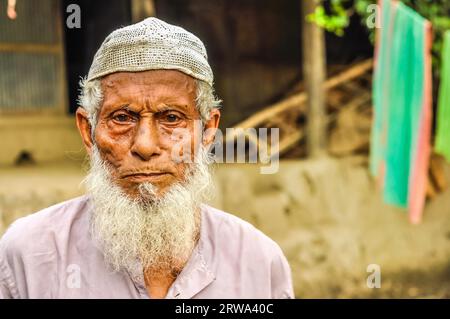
159, 280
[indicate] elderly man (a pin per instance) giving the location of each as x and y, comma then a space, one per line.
142, 230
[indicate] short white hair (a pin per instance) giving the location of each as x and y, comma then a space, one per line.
91, 98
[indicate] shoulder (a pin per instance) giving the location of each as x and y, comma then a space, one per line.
229, 230
36, 231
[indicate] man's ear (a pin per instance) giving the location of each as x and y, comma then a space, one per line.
84, 127
210, 127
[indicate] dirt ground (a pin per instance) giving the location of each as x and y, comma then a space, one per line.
327, 216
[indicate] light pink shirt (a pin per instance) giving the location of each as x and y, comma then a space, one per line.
50, 254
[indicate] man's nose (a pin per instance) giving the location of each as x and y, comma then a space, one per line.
146, 141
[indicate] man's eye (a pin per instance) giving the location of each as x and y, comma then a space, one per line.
122, 118
172, 118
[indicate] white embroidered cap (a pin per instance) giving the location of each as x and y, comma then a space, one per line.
150, 45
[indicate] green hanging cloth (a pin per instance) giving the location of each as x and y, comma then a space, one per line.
442, 142
401, 134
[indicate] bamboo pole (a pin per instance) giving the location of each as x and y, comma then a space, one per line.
314, 73
141, 9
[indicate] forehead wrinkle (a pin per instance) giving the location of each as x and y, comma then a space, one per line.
150, 89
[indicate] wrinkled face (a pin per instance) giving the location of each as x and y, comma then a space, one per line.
137, 126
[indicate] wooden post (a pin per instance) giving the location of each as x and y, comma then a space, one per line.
141, 9
314, 74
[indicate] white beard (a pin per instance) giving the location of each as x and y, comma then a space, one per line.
149, 232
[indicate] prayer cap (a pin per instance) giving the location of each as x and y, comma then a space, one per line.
151, 44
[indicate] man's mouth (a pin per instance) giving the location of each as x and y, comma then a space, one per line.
148, 176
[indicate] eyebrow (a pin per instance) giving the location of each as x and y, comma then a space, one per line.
124, 107
161, 109
172, 106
